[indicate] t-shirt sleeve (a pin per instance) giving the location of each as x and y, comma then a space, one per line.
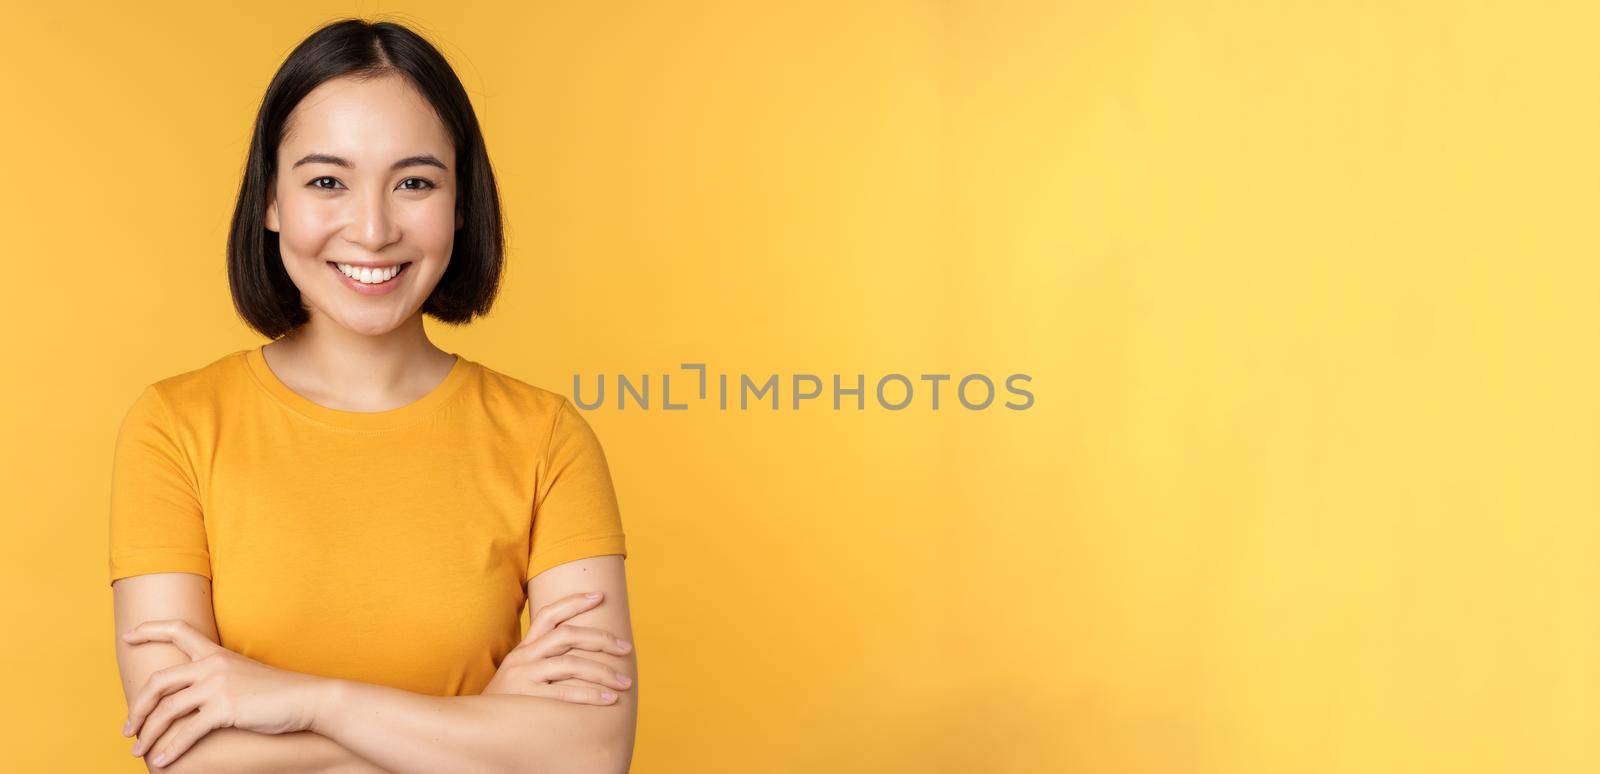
575, 507
156, 520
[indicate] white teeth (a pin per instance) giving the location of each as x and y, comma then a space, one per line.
368, 275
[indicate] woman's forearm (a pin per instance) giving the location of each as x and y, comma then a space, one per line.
406, 732
237, 751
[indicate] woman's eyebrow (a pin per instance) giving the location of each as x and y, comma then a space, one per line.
426, 159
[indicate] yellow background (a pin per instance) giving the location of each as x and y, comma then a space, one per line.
1307, 290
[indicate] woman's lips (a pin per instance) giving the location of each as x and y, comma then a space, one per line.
370, 289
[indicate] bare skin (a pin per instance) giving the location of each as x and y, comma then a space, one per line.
545, 709
201, 707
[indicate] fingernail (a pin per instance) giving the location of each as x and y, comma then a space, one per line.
593, 595
127, 725
607, 695
624, 680
624, 644
161, 759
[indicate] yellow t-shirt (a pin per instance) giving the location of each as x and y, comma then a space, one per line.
391, 547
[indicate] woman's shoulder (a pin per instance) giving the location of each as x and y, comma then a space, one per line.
199, 391
202, 381
518, 394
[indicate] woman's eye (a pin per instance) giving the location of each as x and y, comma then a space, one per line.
426, 184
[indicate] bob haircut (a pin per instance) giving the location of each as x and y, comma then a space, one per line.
263, 294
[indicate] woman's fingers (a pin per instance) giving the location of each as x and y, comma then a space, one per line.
562, 667
541, 658
176, 631
170, 709
183, 735
569, 636
575, 694
162, 682
548, 617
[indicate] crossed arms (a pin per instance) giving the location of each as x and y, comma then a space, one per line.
369, 728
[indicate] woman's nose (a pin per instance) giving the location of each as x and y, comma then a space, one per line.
373, 226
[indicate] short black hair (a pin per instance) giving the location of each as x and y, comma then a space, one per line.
263, 294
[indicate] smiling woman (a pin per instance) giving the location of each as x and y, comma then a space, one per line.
345, 202
321, 546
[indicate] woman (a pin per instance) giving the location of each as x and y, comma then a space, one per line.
320, 547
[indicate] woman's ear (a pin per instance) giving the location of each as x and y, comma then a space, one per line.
271, 219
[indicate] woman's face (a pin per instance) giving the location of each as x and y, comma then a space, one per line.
365, 178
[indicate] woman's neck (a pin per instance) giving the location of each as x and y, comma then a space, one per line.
343, 369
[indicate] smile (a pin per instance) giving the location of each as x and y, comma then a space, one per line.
368, 275
369, 281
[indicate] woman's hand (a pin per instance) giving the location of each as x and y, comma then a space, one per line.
540, 659
227, 689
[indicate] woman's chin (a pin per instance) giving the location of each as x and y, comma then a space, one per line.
364, 324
